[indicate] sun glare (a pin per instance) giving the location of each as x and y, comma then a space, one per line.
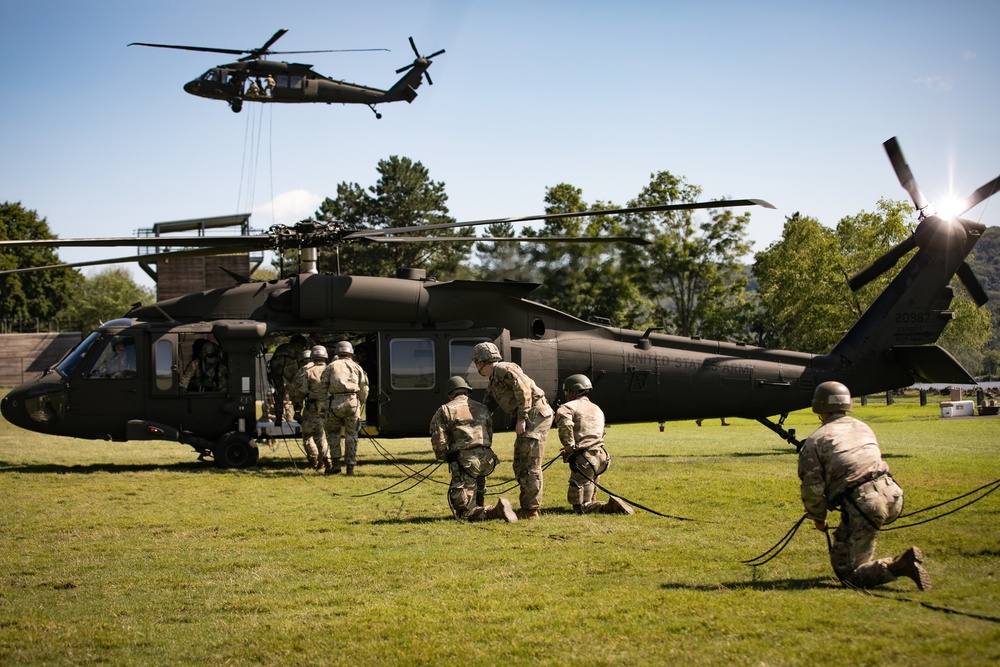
950, 207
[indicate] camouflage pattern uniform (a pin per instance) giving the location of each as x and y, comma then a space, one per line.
841, 466
207, 370
581, 432
347, 384
308, 387
462, 434
518, 395
281, 370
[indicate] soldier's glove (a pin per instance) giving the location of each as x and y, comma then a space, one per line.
297, 417
451, 457
567, 453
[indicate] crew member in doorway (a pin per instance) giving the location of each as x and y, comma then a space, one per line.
207, 369
282, 368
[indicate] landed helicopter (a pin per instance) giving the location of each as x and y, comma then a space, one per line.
252, 78
415, 333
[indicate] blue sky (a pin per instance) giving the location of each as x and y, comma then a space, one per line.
784, 101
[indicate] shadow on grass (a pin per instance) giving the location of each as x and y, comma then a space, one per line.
774, 585
415, 520
54, 468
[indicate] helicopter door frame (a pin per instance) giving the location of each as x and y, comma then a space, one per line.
96, 395
413, 371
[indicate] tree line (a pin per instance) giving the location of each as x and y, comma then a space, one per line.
692, 279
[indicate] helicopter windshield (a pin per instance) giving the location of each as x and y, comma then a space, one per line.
71, 361
210, 75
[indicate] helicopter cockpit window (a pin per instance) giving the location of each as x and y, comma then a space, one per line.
411, 363
210, 75
71, 361
460, 361
115, 360
206, 370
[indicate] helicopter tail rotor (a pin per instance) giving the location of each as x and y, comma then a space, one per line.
423, 61
933, 231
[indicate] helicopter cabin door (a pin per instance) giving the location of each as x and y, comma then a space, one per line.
413, 372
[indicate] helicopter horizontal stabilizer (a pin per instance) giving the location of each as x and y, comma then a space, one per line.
931, 363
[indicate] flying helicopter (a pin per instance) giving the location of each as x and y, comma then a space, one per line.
417, 332
253, 78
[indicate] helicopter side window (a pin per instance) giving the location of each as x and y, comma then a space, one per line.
460, 361
163, 359
116, 360
411, 363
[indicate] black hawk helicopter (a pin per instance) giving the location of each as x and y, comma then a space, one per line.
252, 78
416, 333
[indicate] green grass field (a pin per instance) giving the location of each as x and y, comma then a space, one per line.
136, 554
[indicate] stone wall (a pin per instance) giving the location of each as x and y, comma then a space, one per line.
25, 355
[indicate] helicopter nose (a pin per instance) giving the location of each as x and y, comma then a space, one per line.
36, 405
12, 408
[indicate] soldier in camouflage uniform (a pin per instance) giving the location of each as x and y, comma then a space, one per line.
581, 432
841, 467
281, 371
207, 369
519, 396
461, 434
309, 388
347, 385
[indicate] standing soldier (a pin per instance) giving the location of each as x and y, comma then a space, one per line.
519, 396
347, 384
281, 371
462, 434
581, 432
841, 467
309, 388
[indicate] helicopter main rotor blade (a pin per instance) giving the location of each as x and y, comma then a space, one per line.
274, 38
151, 257
206, 49
576, 214
283, 53
634, 240
233, 243
904, 174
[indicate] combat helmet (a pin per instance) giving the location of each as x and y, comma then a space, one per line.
578, 382
318, 352
458, 383
831, 397
486, 352
345, 347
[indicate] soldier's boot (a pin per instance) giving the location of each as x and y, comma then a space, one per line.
332, 467
503, 511
616, 506
910, 564
350, 470
578, 509
527, 514
314, 462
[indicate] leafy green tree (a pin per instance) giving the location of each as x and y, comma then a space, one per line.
589, 280
503, 260
693, 267
801, 288
104, 296
37, 295
403, 196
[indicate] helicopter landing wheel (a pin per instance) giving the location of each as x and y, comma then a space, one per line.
236, 105
377, 114
236, 450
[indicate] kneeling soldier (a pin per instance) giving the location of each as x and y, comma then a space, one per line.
581, 432
461, 434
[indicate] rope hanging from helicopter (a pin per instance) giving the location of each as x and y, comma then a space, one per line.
250, 161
